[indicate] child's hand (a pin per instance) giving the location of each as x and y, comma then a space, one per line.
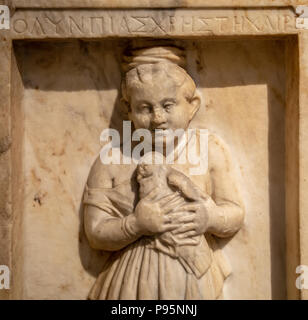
151, 215
193, 218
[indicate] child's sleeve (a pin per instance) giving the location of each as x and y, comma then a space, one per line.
225, 205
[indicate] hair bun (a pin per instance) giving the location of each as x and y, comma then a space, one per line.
151, 55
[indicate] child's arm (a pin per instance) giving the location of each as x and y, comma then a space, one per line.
221, 213
226, 207
105, 231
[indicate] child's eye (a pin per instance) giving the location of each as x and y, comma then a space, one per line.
145, 109
168, 106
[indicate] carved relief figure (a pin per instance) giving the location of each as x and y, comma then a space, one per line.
156, 222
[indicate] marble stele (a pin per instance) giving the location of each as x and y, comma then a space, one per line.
73, 226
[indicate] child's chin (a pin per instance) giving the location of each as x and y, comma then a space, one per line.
163, 140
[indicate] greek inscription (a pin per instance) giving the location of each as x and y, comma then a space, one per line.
238, 24
158, 25
111, 24
76, 26
37, 27
172, 23
97, 24
54, 24
148, 24
288, 22
221, 21
187, 22
271, 25
124, 25
20, 25
205, 24
253, 24
143, 26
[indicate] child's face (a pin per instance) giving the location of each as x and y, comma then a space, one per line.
160, 104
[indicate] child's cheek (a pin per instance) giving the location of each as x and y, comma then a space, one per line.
177, 120
140, 121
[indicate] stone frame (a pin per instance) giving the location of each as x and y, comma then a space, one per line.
247, 18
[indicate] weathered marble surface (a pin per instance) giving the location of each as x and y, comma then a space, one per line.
149, 22
243, 79
68, 100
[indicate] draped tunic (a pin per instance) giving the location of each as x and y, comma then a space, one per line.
144, 270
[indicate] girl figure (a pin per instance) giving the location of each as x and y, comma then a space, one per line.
160, 246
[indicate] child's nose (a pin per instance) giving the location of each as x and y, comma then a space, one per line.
159, 117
